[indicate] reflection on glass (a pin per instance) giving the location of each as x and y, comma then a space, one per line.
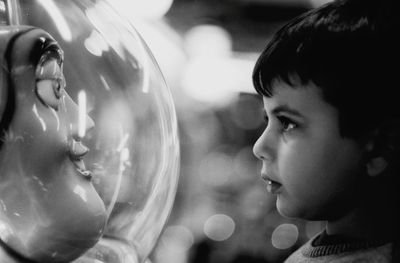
55, 213
89, 150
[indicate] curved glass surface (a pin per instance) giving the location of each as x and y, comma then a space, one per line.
89, 152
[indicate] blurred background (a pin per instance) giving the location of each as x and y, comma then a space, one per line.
206, 50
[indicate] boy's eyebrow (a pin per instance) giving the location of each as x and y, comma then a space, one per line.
286, 109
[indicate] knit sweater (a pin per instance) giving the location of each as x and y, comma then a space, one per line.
324, 248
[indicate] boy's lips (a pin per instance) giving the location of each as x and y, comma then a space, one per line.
273, 186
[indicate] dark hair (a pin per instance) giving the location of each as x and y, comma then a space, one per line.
346, 48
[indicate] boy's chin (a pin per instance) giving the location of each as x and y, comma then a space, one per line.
286, 212
305, 211
289, 209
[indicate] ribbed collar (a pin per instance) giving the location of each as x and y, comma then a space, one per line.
325, 245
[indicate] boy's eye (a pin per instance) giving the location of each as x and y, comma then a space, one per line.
265, 117
49, 82
287, 124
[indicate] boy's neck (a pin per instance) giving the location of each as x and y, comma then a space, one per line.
373, 221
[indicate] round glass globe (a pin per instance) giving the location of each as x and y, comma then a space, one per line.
89, 152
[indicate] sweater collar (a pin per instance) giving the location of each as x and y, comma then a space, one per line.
324, 245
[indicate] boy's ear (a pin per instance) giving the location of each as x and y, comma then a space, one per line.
376, 165
383, 148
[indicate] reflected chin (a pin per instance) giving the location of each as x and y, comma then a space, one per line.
76, 218
50, 246
57, 214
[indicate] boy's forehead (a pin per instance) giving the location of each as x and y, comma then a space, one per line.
305, 99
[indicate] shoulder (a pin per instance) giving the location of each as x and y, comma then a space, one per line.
379, 254
382, 254
299, 256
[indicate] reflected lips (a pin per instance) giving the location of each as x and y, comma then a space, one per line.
76, 153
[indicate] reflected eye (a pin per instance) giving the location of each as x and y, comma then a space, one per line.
49, 82
287, 124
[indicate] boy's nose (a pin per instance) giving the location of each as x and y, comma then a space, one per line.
74, 118
263, 148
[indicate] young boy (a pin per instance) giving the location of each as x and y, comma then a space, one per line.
330, 150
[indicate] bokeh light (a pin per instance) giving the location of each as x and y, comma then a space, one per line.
177, 238
285, 236
213, 74
219, 227
208, 40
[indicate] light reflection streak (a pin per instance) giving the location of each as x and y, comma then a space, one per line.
105, 84
123, 142
119, 39
80, 191
2, 7
124, 156
4, 208
146, 76
34, 109
149, 9
59, 20
13, 13
56, 117
82, 113
40, 183
145, 64
96, 44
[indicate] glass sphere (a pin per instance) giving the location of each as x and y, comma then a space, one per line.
89, 152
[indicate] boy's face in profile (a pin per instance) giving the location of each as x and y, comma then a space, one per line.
311, 168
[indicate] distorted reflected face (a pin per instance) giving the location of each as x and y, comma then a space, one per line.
311, 168
50, 210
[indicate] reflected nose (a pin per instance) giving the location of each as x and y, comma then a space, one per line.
263, 149
78, 121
